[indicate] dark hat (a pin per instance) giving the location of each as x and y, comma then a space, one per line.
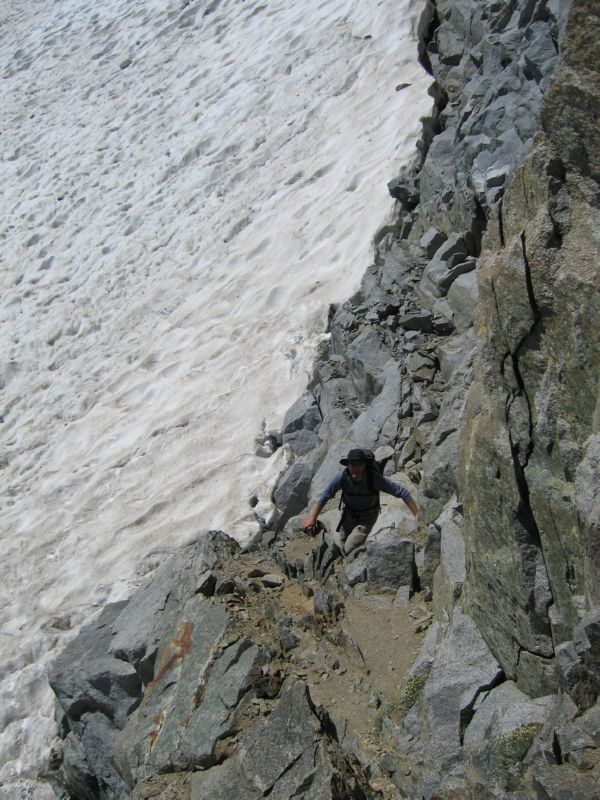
354, 455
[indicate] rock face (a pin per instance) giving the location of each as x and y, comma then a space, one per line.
532, 417
469, 361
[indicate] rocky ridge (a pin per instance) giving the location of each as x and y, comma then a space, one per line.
224, 677
468, 361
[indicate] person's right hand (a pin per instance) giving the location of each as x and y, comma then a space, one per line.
308, 523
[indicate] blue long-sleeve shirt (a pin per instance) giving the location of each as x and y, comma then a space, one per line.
360, 489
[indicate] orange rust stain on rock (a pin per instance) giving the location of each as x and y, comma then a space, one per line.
200, 695
154, 733
181, 646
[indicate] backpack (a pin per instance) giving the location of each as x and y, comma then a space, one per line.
372, 466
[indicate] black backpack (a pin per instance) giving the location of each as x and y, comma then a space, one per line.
372, 466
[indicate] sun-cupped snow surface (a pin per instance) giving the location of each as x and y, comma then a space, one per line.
185, 188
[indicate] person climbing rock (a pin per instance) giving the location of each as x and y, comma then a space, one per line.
360, 482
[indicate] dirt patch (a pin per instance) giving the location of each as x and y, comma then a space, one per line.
174, 786
357, 684
299, 547
388, 641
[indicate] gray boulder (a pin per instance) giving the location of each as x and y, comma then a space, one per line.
96, 694
390, 561
439, 467
291, 754
454, 250
462, 668
355, 570
565, 782
86, 679
368, 426
579, 661
303, 414
222, 782
191, 703
587, 644
453, 355
327, 604
422, 366
463, 296
404, 190
300, 424
431, 241
150, 613
76, 775
540, 54
366, 359
504, 727
576, 738
291, 495
302, 442
336, 396
421, 320
439, 276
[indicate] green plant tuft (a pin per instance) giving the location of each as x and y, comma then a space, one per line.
512, 747
409, 694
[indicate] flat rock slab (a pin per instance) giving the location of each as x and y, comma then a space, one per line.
190, 703
463, 667
290, 754
151, 612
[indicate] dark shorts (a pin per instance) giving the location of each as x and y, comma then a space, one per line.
355, 528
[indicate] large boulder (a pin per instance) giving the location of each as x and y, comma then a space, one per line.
291, 495
152, 613
463, 296
579, 661
336, 396
367, 359
503, 728
115, 682
95, 693
300, 425
390, 561
460, 670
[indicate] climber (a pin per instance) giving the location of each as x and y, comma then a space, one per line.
360, 483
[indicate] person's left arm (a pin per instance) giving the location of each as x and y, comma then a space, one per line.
391, 487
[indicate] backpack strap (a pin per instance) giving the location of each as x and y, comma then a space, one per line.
371, 483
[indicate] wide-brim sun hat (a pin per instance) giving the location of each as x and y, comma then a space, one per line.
353, 455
